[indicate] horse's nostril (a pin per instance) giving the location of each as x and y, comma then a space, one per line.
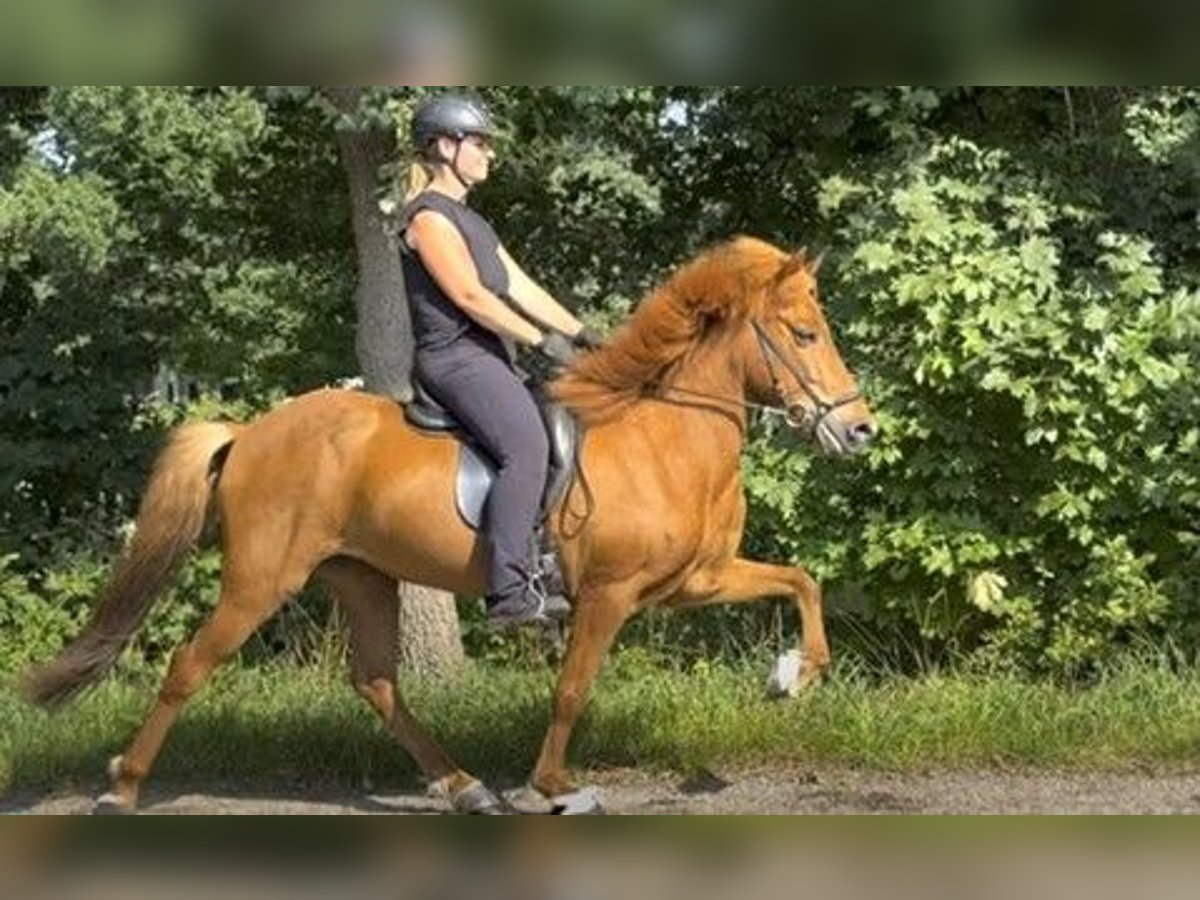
860, 434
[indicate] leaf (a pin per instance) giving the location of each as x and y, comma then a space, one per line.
875, 256
986, 589
1096, 318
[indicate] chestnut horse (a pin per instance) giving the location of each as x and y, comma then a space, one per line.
336, 485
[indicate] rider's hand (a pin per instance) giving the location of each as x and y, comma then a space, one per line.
587, 338
556, 348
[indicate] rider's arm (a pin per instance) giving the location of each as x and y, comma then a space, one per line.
534, 299
444, 252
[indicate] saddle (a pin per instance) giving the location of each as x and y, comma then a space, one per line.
476, 471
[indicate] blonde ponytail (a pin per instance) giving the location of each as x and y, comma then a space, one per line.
420, 176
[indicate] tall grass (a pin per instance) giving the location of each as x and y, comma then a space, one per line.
304, 725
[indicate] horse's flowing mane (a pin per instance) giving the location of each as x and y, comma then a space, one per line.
726, 282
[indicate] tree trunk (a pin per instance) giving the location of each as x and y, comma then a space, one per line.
383, 337
430, 637
430, 641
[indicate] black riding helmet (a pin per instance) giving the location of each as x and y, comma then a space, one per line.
450, 115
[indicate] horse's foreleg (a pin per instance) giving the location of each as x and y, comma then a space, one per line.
368, 598
743, 580
598, 617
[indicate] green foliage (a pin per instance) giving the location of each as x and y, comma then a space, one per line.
152, 228
1031, 488
575, 202
33, 624
1165, 124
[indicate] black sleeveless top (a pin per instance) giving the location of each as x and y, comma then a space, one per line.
438, 322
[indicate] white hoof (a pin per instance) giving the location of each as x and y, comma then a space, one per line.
784, 680
110, 805
583, 802
477, 800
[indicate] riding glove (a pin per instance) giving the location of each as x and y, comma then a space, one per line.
556, 348
587, 338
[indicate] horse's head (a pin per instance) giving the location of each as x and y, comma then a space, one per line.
792, 360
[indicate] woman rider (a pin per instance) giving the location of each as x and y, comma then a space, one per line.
471, 304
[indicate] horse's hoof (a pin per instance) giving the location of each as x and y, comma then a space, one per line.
111, 805
478, 800
577, 803
784, 680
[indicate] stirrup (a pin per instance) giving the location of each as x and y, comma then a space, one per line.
537, 608
547, 565
554, 604
549, 574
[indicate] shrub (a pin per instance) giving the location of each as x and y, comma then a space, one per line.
1032, 493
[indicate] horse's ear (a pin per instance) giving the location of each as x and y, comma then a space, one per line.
797, 262
814, 265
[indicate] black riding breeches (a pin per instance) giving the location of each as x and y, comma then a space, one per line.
487, 397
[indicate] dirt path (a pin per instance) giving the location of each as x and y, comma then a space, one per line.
747, 792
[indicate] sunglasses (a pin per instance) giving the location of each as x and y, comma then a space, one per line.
482, 142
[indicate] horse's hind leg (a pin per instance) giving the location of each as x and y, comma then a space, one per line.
246, 601
368, 598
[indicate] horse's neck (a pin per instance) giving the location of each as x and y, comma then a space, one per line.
707, 392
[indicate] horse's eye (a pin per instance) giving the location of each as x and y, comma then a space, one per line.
805, 337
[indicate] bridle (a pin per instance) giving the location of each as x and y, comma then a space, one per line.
808, 419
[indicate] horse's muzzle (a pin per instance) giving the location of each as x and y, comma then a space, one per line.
831, 432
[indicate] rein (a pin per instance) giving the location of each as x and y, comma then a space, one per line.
810, 419
768, 408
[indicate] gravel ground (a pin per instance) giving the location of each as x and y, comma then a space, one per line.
765, 791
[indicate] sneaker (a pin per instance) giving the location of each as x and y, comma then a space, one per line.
532, 606
556, 607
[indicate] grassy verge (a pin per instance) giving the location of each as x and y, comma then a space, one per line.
306, 725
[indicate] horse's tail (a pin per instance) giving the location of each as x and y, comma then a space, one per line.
173, 512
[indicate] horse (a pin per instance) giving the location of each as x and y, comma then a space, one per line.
337, 486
